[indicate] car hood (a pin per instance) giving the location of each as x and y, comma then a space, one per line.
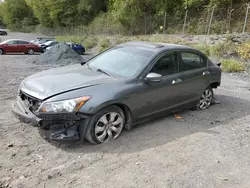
59, 80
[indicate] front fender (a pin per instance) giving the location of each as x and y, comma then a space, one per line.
94, 108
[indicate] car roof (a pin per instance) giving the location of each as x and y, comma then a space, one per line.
16, 39
156, 46
13, 40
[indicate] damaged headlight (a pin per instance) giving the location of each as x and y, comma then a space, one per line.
72, 105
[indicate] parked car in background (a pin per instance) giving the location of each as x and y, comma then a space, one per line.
77, 47
3, 32
18, 46
116, 89
47, 44
40, 40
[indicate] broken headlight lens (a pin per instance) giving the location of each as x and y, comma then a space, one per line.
72, 105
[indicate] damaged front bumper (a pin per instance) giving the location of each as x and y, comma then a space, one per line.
54, 127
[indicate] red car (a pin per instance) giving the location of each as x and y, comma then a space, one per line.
18, 46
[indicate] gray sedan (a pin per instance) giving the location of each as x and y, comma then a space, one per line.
121, 87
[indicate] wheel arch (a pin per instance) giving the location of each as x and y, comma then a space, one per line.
214, 85
2, 50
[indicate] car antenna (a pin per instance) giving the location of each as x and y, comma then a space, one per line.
84, 62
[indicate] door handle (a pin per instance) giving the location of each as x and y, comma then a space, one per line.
205, 73
176, 81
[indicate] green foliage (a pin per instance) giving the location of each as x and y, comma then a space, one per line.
54, 13
16, 14
130, 17
232, 65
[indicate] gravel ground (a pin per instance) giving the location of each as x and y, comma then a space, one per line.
203, 149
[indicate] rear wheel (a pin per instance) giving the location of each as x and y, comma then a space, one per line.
1, 52
31, 51
105, 125
206, 99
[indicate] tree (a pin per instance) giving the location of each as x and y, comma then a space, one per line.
13, 12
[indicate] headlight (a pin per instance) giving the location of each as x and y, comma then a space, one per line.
72, 105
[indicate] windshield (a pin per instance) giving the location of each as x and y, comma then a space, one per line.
48, 43
122, 61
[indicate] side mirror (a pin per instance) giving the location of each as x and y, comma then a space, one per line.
153, 77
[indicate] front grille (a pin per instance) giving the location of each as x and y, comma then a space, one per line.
30, 102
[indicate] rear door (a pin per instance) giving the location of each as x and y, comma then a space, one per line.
22, 46
167, 94
194, 74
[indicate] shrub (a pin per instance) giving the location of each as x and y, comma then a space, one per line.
232, 65
90, 42
222, 48
244, 51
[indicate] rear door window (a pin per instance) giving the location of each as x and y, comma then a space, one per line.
192, 60
22, 42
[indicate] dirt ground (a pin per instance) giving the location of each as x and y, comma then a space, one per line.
207, 148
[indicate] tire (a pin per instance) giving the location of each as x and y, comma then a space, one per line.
206, 99
80, 52
31, 51
105, 125
1, 52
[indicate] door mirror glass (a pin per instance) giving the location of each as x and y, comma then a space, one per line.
153, 77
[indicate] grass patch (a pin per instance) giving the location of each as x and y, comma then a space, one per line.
222, 48
104, 44
203, 48
232, 65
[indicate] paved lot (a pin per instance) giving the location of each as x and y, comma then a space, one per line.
203, 149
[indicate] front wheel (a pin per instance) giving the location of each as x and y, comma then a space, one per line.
105, 125
1, 52
206, 99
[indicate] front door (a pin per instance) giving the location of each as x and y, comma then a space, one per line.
11, 47
165, 95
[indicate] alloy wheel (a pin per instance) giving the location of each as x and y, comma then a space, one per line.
1, 52
206, 99
31, 51
109, 126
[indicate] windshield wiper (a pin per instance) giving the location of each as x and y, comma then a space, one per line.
102, 71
